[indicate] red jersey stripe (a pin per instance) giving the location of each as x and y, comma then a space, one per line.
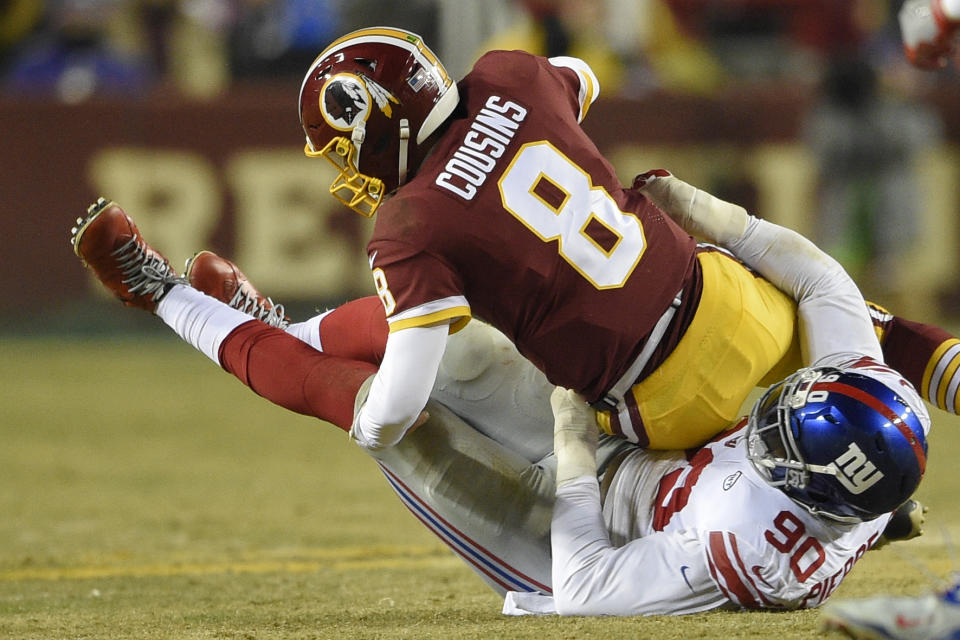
728, 570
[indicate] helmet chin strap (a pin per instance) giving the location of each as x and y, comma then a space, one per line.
360, 131
404, 145
357, 135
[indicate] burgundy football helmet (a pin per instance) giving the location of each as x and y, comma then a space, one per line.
367, 104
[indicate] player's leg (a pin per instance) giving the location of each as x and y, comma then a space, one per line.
356, 330
482, 376
489, 504
273, 363
926, 355
484, 380
291, 373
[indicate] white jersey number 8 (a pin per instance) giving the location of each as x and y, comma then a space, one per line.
538, 173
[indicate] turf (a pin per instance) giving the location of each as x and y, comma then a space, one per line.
145, 494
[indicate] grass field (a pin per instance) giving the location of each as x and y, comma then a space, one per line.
145, 494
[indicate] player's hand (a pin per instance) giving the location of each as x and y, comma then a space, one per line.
928, 34
574, 435
646, 177
571, 412
696, 211
906, 523
423, 417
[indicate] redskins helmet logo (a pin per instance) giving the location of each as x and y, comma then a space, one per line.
345, 101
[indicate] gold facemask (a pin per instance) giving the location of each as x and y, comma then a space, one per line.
360, 192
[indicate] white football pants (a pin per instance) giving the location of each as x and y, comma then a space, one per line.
480, 473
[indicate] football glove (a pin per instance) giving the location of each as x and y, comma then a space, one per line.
574, 435
906, 524
696, 211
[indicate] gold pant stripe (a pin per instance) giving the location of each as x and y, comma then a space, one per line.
932, 394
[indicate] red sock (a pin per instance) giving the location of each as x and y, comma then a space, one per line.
294, 375
356, 330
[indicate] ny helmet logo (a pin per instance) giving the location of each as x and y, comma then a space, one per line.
854, 471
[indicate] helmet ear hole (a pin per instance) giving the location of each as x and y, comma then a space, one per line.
906, 484
880, 443
381, 144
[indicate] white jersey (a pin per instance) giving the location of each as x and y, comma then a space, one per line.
682, 535
757, 547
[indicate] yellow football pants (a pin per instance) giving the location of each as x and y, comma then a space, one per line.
744, 334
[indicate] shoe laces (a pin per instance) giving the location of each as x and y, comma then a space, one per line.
144, 274
248, 303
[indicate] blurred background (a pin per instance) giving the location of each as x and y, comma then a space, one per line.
185, 113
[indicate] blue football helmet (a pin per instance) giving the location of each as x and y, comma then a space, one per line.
839, 442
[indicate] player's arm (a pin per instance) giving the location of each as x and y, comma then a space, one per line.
663, 573
928, 28
422, 305
402, 385
832, 312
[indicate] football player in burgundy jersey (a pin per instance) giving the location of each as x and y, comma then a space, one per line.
491, 201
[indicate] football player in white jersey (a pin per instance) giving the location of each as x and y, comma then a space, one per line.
771, 514
511, 474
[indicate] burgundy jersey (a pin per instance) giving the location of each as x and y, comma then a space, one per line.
517, 218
